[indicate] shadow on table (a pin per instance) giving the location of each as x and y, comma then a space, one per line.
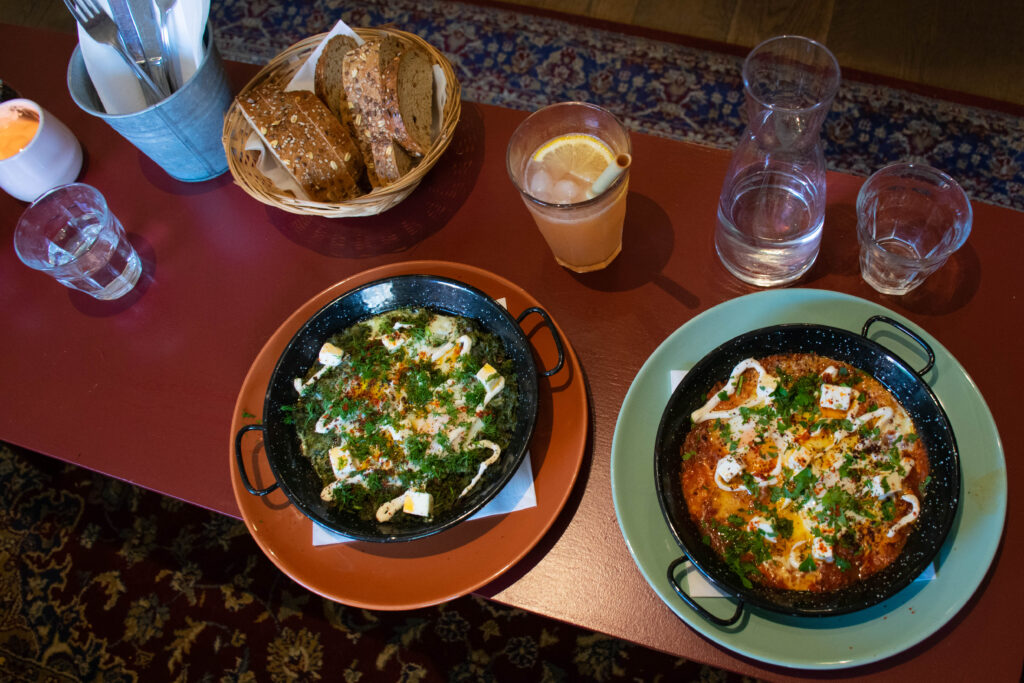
647, 243
947, 290
439, 196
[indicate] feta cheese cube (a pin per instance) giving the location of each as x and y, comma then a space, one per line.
492, 381
836, 397
418, 503
727, 468
330, 355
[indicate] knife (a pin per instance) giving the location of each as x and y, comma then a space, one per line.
136, 22
126, 28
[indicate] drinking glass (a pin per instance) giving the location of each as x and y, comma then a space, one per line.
910, 219
584, 233
772, 206
70, 234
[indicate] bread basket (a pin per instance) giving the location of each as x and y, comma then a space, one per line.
243, 163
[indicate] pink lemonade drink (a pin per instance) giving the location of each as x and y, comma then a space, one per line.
570, 162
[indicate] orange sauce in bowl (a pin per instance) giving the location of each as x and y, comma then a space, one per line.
17, 131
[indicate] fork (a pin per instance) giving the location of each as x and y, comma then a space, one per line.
102, 29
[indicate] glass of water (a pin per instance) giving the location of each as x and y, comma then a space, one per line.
70, 234
910, 220
772, 206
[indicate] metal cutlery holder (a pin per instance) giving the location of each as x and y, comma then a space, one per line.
181, 133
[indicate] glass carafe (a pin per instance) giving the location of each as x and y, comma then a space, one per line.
772, 207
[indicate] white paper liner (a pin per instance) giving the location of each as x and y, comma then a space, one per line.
267, 163
698, 586
518, 494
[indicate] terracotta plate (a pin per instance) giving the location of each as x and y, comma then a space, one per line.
449, 564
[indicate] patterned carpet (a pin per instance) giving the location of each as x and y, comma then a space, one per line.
660, 87
102, 581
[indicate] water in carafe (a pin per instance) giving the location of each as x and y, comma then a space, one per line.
772, 207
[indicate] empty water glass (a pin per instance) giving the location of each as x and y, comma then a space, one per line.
70, 234
772, 205
910, 219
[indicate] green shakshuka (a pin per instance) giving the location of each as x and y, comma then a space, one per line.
405, 412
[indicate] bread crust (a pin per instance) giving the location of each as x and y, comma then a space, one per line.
327, 76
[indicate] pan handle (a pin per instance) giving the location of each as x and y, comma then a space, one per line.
554, 333
688, 599
241, 466
907, 331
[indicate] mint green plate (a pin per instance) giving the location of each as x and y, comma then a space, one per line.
872, 634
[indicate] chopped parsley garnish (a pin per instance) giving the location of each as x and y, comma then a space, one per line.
834, 477
403, 410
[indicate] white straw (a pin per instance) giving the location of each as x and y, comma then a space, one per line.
609, 174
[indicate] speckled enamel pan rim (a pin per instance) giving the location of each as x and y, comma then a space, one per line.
293, 472
938, 509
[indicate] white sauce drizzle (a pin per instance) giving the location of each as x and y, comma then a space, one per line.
907, 518
460, 437
766, 384
798, 456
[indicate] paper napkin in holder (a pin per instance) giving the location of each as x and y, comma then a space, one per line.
116, 84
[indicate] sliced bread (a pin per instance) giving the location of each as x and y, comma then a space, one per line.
362, 80
311, 144
409, 98
327, 77
390, 161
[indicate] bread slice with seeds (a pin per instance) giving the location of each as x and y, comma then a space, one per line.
391, 161
311, 144
327, 75
363, 81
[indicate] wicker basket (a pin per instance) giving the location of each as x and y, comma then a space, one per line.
243, 163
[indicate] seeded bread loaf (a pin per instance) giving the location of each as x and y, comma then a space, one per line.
363, 79
310, 143
373, 122
363, 82
328, 86
409, 99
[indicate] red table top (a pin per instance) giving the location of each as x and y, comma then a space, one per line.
143, 389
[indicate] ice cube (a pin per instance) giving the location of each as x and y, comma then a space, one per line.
566, 191
539, 184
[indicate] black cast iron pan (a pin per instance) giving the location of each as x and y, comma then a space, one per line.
938, 507
294, 473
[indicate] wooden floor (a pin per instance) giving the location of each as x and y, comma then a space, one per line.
973, 46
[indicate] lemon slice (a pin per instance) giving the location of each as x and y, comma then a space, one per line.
585, 156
